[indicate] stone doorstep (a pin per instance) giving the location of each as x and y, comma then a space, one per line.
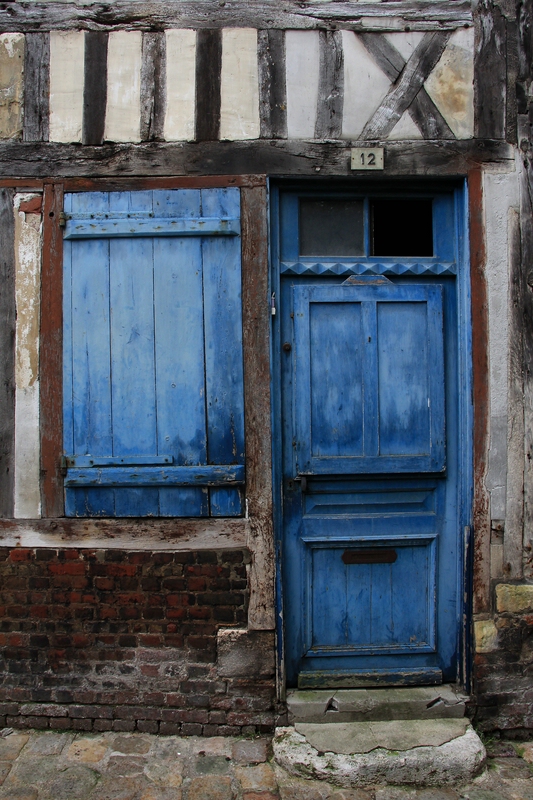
367, 705
413, 752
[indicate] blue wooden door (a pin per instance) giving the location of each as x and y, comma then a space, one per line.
153, 372
371, 541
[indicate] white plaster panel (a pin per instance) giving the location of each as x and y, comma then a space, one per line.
302, 58
27, 298
365, 85
181, 85
239, 87
405, 42
405, 128
500, 197
67, 55
451, 83
123, 113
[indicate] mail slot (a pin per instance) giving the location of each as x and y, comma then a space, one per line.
375, 555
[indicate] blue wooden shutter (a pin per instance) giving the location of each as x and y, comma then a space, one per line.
369, 376
153, 374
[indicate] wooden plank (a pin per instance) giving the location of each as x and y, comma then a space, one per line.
131, 534
123, 109
95, 87
179, 353
180, 85
113, 228
272, 84
223, 346
330, 86
402, 93
51, 357
155, 476
273, 156
239, 85
480, 367
423, 110
7, 348
208, 67
511, 132
490, 69
257, 409
153, 85
240, 13
36, 87
125, 184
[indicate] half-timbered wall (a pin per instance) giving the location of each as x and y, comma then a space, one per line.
139, 95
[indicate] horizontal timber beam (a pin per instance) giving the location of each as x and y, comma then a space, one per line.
273, 157
266, 14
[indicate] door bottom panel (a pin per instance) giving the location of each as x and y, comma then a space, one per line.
359, 679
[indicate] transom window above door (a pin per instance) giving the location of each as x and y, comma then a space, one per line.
381, 227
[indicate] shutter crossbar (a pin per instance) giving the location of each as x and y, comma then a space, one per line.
211, 475
83, 228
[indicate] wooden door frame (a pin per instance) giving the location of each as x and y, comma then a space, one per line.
472, 372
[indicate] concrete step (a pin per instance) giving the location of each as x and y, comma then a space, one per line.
372, 705
353, 754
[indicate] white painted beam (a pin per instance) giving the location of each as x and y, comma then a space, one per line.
67, 55
239, 86
303, 65
123, 113
181, 85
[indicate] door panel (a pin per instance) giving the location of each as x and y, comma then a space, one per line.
371, 533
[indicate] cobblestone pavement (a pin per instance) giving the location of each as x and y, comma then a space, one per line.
120, 766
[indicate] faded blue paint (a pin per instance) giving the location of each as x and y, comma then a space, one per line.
153, 354
373, 410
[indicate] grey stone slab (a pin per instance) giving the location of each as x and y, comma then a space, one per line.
133, 744
11, 746
212, 765
250, 751
74, 783
48, 744
353, 705
362, 737
454, 762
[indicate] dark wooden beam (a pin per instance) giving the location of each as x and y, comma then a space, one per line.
51, 355
7, 350
263, 14
490, 71
95, 87
208, 66
36, 87
480, 369
257, 411
330, 86
153, 86
270, 156
272, 84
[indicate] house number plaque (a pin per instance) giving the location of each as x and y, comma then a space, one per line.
367, 158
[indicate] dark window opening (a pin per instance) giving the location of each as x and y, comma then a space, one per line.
402, 227
332, 227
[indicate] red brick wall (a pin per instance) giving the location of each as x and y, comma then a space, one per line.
116, 640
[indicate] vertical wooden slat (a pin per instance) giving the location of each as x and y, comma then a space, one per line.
330, 87
7, 353
36, 87
208, 70
490, 71
153, 85
272, 85
256, 346
51, 361
95, 88
480, 349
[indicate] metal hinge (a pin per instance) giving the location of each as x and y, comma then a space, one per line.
62, 219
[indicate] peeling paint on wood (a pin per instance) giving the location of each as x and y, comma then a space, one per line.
11, 85
180, 85
27, 501
239, 85
67, 52
130, 534
7, 349
123, 111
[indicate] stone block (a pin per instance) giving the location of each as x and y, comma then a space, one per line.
210, 787
250, 751
514, 599
257, 779
246, 654
485, 636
